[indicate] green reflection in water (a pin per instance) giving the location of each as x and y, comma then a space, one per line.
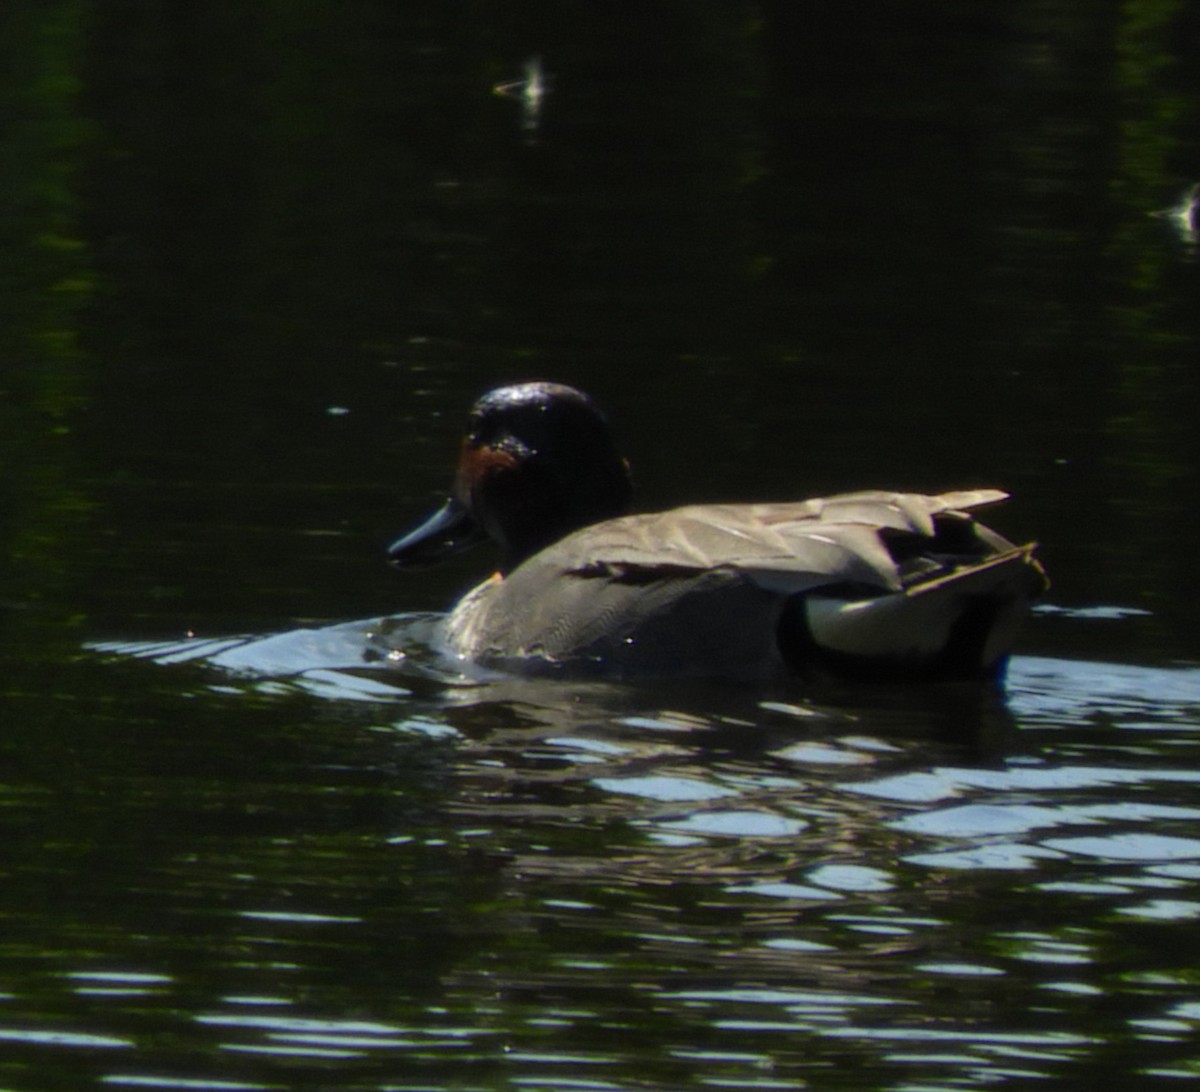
1151, 450
43, 280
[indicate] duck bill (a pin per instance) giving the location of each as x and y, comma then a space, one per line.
447, 532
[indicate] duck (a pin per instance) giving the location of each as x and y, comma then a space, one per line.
863, 586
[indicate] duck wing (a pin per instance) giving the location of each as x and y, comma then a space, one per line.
867, 540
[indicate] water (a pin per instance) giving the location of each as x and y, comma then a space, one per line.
322, 874
258, 263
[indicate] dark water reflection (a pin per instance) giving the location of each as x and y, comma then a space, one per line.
258, 259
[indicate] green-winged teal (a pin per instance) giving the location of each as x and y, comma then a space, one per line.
860, 585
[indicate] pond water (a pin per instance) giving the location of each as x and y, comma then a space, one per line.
258, 262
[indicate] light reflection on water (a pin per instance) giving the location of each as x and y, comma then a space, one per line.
609, 874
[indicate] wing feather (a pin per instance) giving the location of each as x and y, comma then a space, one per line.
784, 548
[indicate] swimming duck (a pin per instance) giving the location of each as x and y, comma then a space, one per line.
869, 585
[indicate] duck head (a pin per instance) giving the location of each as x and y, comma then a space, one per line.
537, 462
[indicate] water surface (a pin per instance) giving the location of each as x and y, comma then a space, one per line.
257, 263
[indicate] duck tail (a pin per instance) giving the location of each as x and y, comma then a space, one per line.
957, 625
